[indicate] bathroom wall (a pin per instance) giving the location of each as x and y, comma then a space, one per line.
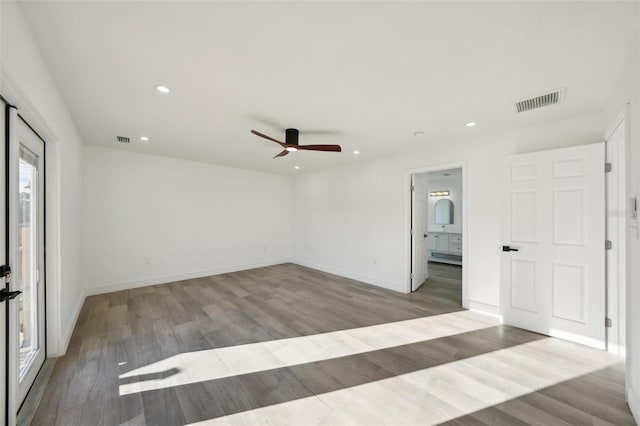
436, 181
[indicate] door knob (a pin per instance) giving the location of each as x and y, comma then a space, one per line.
507, 248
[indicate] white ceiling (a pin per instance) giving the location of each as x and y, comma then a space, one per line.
363, 75
445, 174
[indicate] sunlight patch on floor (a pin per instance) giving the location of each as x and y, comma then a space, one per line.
437, 394
193, 367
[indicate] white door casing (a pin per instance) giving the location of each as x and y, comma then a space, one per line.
419, 242
554, 215
616, 231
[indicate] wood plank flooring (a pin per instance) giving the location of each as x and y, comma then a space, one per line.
445, 281
290, 345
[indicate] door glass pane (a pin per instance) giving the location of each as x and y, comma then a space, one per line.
27, 248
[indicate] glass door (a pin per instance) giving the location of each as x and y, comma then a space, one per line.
4, 260
26, 248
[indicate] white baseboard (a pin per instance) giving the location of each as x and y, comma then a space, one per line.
128, 285
634, 404
484, 308
618, 350
346, 274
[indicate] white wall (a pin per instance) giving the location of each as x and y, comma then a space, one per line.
186, 219
27, 84
628, 93
352, 220
453, 184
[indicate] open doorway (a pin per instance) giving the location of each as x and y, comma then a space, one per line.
437, 233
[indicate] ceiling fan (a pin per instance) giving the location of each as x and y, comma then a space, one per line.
291, 143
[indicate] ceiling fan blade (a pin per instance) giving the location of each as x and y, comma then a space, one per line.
262, 135
282, 154
333, 148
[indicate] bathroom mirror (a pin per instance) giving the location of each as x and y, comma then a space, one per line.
444, 212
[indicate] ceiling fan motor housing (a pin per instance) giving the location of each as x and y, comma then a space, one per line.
291, 136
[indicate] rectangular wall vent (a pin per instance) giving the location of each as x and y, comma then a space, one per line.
122, 139
540, 101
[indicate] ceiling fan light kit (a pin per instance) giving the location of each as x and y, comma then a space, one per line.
291, 143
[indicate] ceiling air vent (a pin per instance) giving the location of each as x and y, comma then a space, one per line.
547, 99
122, 139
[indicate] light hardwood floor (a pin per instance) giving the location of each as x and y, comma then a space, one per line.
291, 345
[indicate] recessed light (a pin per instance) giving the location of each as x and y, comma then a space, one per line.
471, 124
296, 167
356, 152
162, 89
144, 138
418, 133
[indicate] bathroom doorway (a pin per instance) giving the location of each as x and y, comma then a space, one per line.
437, 233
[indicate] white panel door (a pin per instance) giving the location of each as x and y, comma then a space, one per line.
419, 242
553, 277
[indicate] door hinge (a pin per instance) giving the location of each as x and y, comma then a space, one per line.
608, 323
412, 188
411, 276
5, 271
608, 245
8, 295
607, 167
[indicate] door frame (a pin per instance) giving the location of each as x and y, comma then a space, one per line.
57, 336
14, 159
13, 117
58, 333
407, 221
618, 315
